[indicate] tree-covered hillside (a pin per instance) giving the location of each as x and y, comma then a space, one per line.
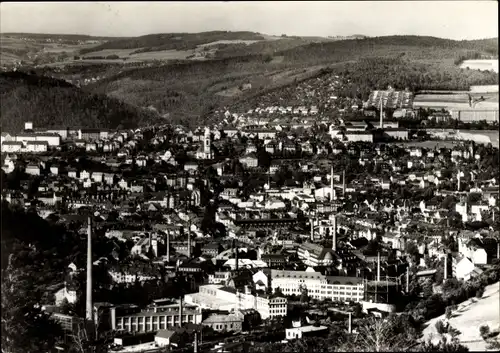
173, 41
428, 49
49, 102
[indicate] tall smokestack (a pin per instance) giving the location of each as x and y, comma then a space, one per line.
350, 323
236, 258
331, 184
168, 247
382, 112
189, 243
445, 277
312, 228
89, 311
378, 266
180, 312
343, 183
195, 343
458, 178
334, 233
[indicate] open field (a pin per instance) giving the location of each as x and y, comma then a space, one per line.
470, 316
161, 55
227, 42
122, 53
481, 65
455, 98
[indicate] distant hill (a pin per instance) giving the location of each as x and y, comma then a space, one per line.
420, 48
189, 90
46, 36
173, 41
50, 102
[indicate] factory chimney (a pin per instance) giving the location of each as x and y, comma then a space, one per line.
334, 233
311, 220
445, 277
195, 343
236, 259
189, 244
381, 113
350, 323
331, 185
168, 247
458, 181
378, 266
89, 312
180, 312
343, 183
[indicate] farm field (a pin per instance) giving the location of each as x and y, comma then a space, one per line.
470, 316
480, 65
106, 52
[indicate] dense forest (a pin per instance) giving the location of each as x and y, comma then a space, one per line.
428, 49
49, 102
173, 41
377, 73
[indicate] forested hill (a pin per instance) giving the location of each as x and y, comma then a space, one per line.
50, 102
173, 41
419, 48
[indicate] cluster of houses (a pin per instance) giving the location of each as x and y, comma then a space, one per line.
323, 236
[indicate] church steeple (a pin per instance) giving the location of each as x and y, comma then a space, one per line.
207, 144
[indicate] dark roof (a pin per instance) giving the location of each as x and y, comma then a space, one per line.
165, 333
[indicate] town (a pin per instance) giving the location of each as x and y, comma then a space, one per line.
304, 212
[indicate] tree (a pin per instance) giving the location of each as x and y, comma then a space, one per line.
23, 318
484, 331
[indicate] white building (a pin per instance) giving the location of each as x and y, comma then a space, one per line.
318, 286
299, 332
219, 297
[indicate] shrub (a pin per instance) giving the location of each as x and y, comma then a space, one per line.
441, 328
484, 331
449, 312
479, 293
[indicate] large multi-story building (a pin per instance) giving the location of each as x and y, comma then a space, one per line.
219, 297
390, 99
316, 255
317, 285
154, 318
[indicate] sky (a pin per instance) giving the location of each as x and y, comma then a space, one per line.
446, 19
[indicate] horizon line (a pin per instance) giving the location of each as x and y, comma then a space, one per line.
222, 30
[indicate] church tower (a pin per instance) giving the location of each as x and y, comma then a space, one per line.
207, 144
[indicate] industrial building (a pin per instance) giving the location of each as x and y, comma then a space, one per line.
318, 286
154, 318
390, 99
219, 297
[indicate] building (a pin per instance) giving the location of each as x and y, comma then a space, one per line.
305, 331
68, 323
37, 146
162, 338
354, 136
219, 297
206, 150
390, 99
474, 115
315, 255
250, 160
229, 322
11, 146
154, 318
53, 140
317, 285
